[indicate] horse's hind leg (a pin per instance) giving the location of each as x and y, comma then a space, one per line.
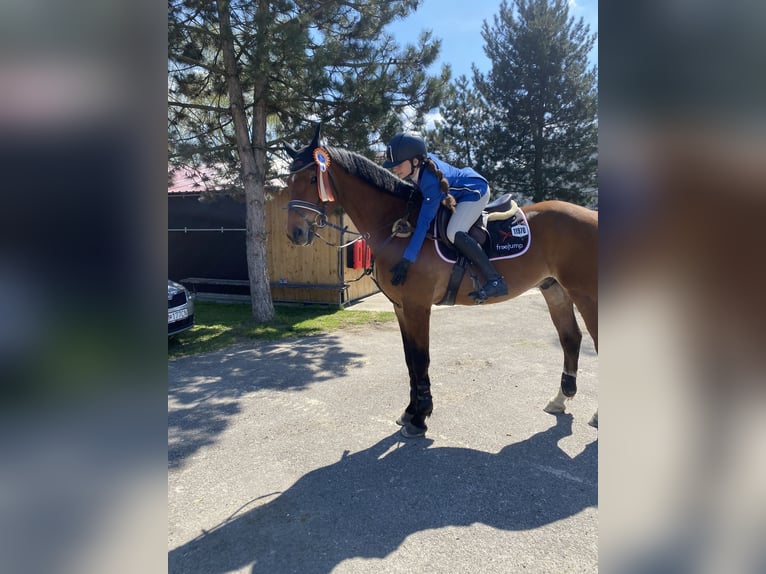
561, 310
588, 307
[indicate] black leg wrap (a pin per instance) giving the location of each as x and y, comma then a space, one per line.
412, 407
568, 385
425, 403
413, 421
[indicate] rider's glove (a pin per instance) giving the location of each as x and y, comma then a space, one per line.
400, 272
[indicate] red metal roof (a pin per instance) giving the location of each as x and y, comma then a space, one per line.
187, 179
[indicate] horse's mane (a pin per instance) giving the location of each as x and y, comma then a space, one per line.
370, 172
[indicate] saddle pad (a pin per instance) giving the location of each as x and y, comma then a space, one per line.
508, 238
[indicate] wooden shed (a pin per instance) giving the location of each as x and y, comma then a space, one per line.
207, 251
319, 272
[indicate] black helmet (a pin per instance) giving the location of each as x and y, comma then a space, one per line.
402, 147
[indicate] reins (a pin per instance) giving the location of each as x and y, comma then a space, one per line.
320, 222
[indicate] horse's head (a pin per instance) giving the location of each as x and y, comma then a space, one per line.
372, 196
306, 209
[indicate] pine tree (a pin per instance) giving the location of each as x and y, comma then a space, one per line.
243, 75
542, 102
458, 135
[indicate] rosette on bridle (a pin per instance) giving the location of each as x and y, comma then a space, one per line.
324, 186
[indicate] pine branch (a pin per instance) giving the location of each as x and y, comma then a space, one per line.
197, 63
193, 106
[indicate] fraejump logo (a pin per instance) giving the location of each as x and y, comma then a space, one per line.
509, 246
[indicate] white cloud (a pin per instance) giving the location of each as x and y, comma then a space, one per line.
408, 115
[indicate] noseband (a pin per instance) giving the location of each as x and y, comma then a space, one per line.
320, 217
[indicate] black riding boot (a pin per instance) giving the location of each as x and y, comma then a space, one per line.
495, 285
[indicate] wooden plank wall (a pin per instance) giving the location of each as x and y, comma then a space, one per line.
320, 267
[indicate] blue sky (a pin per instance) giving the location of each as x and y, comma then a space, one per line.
458, 23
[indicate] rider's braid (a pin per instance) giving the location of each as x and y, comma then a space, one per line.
448, 200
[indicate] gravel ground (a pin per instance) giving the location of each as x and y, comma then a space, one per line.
284, 457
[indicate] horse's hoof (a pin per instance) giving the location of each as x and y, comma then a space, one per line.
411, 431
554, 408
404, 419
594, 420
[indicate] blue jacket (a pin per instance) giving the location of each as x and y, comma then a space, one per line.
465, 184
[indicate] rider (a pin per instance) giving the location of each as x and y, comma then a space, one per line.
461, 189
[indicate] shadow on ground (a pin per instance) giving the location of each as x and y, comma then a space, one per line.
367, 503
204, 391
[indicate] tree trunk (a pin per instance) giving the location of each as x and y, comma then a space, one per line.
257, 255
253, 162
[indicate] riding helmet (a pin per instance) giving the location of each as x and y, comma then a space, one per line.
404, 146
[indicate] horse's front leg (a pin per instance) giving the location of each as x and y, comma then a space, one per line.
414, 324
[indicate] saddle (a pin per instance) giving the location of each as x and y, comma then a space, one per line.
501, 230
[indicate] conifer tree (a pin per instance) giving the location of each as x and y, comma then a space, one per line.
244, 75
458, 136
541, 102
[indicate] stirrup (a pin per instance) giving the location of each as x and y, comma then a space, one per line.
492, 288
478, 296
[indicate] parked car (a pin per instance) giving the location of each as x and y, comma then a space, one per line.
180, 308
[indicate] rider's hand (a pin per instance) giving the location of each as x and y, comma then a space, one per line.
400, 272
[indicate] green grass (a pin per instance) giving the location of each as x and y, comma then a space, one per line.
218, 325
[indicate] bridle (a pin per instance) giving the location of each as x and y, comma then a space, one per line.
319, 220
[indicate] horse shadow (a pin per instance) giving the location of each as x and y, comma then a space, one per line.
205, 390
367, 503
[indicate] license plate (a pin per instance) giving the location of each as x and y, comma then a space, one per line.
174, 316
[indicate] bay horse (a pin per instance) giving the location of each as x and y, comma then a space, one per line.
562, 260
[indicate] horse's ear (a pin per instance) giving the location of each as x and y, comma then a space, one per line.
315, 141
291, 151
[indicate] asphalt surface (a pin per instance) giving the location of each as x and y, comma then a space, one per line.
284, 457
